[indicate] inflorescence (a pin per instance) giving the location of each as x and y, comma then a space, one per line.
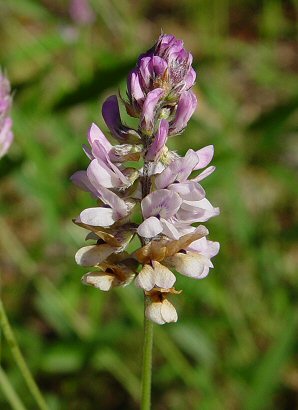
167, 187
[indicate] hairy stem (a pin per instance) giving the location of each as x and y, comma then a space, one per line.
148, 325
19, 359
147, 362
146, 180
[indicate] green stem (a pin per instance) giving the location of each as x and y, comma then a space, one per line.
20, 361
147, 363
148, 325
9, 392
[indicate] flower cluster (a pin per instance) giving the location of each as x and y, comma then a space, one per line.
6, 135
167, 188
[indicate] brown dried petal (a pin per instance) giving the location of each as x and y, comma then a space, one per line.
158, 294
154, 250
119, 237
159, 250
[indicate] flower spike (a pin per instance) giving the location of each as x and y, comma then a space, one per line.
166, 188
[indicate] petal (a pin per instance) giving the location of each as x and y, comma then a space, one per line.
159, 66
175, 246
197, 211
93, 254
168, 312
205, 155
191, 264
162, 202
103, 161
169, 229
188, 190
81, 180
205, 247
100, 175
145, 278
178, 170
6, 136
145, 70
213, 248
150, 227
88, 152
163, 277
153, 313
159, 141
168, 44
99, 280
111, 114
107, 196
97, 216
95, 134
149, 108
190, 78
208, 171
134, 87
185, 108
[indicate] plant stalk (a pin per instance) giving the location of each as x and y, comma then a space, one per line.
19, 359
9, 392
147, 362
148, 325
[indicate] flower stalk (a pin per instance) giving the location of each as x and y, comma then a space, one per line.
19, 359
147, 360
148, 324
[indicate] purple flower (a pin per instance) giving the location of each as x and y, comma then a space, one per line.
185, 108
180, 168
166, 66
164, 185
194, 261
195, 211
101, 148
135, 93
167, 45
111, 115
6, 135
160, 139
148, 115
151, 71
97, 142
181, 74
114, 207
157, 208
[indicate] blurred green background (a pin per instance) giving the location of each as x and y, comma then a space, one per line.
235, 344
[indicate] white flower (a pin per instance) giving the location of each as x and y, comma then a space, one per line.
94, 254
161, 312
156, 275
112, 275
